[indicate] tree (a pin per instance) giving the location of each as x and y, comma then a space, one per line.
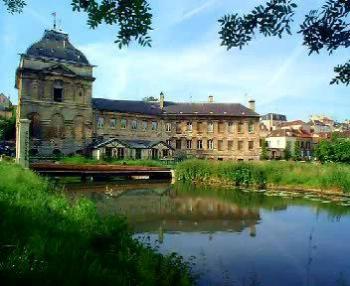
264, 152
288, 151
134, 17
325, 27
7, 128
335, 150
296, 151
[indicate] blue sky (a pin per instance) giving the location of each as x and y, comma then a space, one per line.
186, 60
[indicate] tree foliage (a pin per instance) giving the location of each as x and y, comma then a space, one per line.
134, 18
288, 151
297, 151
7, 128
326, 27
264, 150
335, 150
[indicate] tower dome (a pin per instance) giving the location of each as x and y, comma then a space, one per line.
55, 45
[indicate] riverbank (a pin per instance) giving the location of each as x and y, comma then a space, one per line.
327, 178
47, 238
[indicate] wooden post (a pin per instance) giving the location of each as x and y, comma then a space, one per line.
22, 142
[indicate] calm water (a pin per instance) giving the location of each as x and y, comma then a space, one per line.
237, 238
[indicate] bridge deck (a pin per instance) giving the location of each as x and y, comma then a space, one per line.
98, 170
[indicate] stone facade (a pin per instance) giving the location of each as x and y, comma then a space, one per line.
54, 82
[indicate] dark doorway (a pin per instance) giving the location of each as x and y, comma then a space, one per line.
121, 153
108, 152
154, 154
138, 154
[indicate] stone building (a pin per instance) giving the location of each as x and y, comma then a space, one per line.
54, 82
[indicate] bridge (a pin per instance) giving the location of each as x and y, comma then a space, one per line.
101, 171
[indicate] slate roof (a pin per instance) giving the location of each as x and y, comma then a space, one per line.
152, 108
56, 45
127, 106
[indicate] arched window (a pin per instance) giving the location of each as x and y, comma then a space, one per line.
58, 91
57, 152
34, 127
57, 126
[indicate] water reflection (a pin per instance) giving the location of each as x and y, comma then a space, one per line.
237, 238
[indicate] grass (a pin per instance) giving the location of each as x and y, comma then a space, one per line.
46, 238
268, 173
80, 160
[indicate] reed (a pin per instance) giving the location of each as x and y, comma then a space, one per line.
267, 173
46, 238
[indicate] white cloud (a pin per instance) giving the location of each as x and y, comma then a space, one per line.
194, 72
193, 12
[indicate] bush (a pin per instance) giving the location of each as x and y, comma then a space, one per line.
336, 150
47, 239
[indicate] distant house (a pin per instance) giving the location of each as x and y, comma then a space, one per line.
318, 127
295, 125
272, 120
278, 140
5, 106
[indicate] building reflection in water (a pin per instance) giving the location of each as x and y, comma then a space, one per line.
159, 208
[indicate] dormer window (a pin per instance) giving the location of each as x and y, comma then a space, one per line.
58, 91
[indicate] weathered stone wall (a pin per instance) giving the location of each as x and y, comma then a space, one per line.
65, 126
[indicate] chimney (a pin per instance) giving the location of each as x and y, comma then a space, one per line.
211, 99
251, 104
161, 100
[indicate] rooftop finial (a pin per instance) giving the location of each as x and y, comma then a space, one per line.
54, 20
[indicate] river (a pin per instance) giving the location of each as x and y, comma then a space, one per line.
235, 237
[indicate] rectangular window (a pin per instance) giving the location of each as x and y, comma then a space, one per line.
58, 94
230, 145
123, 123
251, 127
189, 144
240, 127
230, 127
189, 126
100, 122
240, 145
168, 142
178, 144
112, 123
144, 125
134, 124
210, 127
168, 127
210, 144
221, 145
154, 125
251, 145
199, 144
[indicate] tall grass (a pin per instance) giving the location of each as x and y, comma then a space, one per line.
47, 239
262, 174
